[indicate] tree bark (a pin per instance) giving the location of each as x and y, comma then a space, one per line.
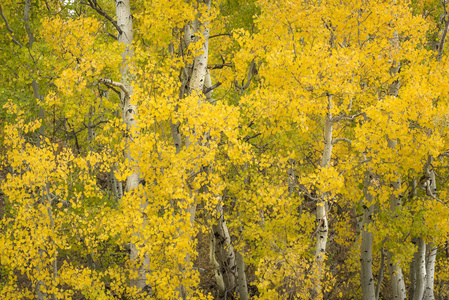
243, 287
129, 111
366, 256
430, 269
396, 276
420, 270
321, 213
223, 258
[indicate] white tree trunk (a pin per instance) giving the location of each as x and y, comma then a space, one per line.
222, 257
397, 281
420, 270
430, 269
243, 287
195, 78
366, 256
199, 72
396, 276
321, 213
129, 111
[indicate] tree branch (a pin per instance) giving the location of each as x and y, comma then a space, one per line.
26, 17
444, 154
211, 88
9, 28
220, 34
252, 70
120, 85
334, 141
443, 35
219, 66
94, 5
443, 38
112, 36
345, 117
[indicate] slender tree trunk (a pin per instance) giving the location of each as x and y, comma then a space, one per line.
366, 256
396, 276
192, 82
321, 212
381, 273
420, 270
129, 111
40, 285
222, 257
430, 269
243, 287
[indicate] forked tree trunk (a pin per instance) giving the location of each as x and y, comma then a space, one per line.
222, 257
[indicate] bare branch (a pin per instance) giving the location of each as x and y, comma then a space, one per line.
219, 66
117, 84
247, 138
211, 88
345, 117
443, 38
220, 34
444, 154
112, 36
94, 5
251, 71
9, 28
26, 17
334, 141
444, 34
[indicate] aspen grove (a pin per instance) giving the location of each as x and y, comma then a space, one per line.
224, 149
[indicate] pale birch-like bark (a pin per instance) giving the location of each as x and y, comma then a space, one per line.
380, 278
366, 255
129, 111
243, 286
412, 272
428, 182
193, 79
397, 281
430, 269
321, 213
222, 257
396, 276
419, 270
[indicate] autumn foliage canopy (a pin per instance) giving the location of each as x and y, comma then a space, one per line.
224, 149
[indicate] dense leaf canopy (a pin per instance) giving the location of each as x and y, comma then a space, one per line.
224, 149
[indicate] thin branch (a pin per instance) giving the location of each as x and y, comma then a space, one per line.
220, 34
26, 17
9, 28
120, 85
112, 36
211, 88
219, 66
247, 138
334, 141
443, 38
345, 117
444, 154
94, 5
252, 70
